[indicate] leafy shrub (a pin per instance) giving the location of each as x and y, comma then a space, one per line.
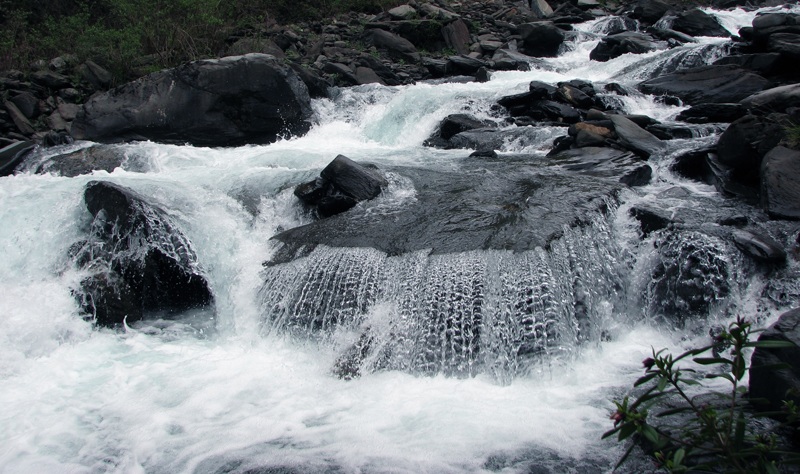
697, 436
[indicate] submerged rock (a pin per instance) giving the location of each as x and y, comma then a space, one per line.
221, 102
142, 266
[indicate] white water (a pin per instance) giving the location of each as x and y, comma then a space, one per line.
77, 399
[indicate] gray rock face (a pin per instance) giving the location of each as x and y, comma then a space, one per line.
486, 205
717, 84
229, 101
745, 142
759, 246
636, 138
777, 99
780, 183
772, 384
541, 39
696, 22
12, 155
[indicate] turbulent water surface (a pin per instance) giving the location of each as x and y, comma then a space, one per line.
563, 329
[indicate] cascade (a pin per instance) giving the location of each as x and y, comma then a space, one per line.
380, 347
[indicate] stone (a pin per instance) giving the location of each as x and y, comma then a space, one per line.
50, 79
436, 13
13, 155
785, 44
457, 65
27, 103
574, 96
342, 74
694, 165
341, 185
777, 99
758, 246
457, 123
222, 102
457, 37
636, 138
255, 45
317, 86
696, 22
706, 113
365, 75
772, 384
403, 12
764, 64
650, 11
19, 119
780, 183
622, 166
715, 84
152, 272
613, 46
397, 46
541, 9
87, 160
541, 39
68, 111
745, 142
56, 122
650, 219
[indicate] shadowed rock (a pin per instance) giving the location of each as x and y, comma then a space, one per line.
715, 84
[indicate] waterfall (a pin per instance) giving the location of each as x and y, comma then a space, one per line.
442, 356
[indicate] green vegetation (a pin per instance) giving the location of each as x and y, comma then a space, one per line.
793, 137
125, 35
708, 432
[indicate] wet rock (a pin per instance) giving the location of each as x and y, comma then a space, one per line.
609, 163
785, 44
575, 96
493, 139
13, 155
365, 75
774, 385
650, 219
707, 84
780, 183
230, 101
696, 22
636, 138
22, 123
706, 113
777, 99
318, 87
691, 277
650, 11
486, 204
463, 65
452, 125
344, 76
541, 39
764, 64
613, 46
670, 131
94, 158
341, 185
457, 37
694, 165
143, 266
759, 246
745, 142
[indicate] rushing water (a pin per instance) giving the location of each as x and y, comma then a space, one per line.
255, 391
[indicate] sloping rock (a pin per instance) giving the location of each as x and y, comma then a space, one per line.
12, 155
767, 382
451, 125
143, 266
650, 11
230, 101
23, 124
764, 64
705, 113
777, 99
397, 46
780, 183
636, 138
94, 158
760, 247
616, 45
696, 22
486, 204
456, 35
715, 84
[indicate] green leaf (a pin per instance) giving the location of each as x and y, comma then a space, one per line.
644, 379
771, 469
651, 434
662, 384
673, 411
771, 344
610, 432
738, 437
724, 376
626, 430
677, 458
712, 360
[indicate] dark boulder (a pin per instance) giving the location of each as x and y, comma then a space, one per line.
758, 246
650, 219
715, 84
745, 142
318, 87
575, 96
764, 64
608, 163
541, 39
143, 266
777, 99
635, 138
51, 79
694, 165
785, 44
396, 45
707, 113
696, 22
341, 185
691, 276
13, 155
230, 101
616, 45
772, 384
457, 37
463, 65
452, 125
780, 183
650, 11
483, 139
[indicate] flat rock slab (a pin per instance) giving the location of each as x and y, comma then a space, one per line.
486, 205
714, 84
609, 163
